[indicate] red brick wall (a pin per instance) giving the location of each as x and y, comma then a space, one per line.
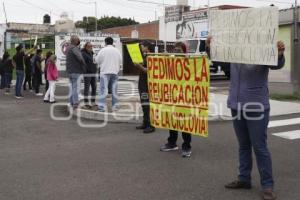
146, 30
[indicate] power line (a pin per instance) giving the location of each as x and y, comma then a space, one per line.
38, 7
123, 4
83, 2
280, 2
150, 2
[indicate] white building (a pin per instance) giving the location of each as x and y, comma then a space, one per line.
2, 38
64, 24
181, 23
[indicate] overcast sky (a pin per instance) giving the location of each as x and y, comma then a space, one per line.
32, 11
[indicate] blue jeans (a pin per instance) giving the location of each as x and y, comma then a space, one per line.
74, 89
8, 77
105, 81
19, 82
252, 134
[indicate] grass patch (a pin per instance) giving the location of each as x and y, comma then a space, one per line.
285, 97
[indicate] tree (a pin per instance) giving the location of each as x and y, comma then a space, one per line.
88, 23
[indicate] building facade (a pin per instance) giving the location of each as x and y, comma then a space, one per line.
287, 80
140, 31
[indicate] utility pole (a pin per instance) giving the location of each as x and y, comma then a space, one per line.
4, 10
208, 14
6, 22
96, 17
296, 19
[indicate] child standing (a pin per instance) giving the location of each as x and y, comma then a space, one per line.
52, 76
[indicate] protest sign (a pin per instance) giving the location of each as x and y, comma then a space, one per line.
62, 43
135, 53
179, 93
247, 36
36, 40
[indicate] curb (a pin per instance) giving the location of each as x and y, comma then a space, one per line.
112, 117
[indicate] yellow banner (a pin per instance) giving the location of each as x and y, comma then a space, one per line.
179, 93
135, 53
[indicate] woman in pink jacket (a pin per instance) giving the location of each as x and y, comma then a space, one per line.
52, 76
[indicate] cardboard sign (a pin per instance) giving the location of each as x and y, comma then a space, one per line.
247, 36
135, 53
179, 93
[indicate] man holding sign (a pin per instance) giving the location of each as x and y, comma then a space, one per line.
249, 95
141, 64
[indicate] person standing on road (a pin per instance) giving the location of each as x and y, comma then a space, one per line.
28, 72
110, 61
2, 83
249, 103
146, 47
90, 79
37, 76
52, 76
171, 145
48, 55
75, 68
7, 71
18, 62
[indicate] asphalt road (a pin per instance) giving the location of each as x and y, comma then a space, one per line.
42, 159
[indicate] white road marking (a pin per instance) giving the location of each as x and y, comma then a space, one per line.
285, 122
290, 135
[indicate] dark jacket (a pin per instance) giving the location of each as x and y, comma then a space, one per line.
143, 79
28, 66
249, 84
91, 67
7, 66
75, 62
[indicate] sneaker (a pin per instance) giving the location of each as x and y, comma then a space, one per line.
149, 130
141, 127
30, 90
19, 97
268, 194
186, 153
101, 109
7, 93
238, 185
94, 107
39, 94
86, 107
115, 108
167, 147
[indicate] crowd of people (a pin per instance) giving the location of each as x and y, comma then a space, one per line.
248, 96
28, 69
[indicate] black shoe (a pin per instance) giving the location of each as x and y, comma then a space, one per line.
168, 147
86, 107
238, 185
52, 102
46, 101
141, 127
149, 129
